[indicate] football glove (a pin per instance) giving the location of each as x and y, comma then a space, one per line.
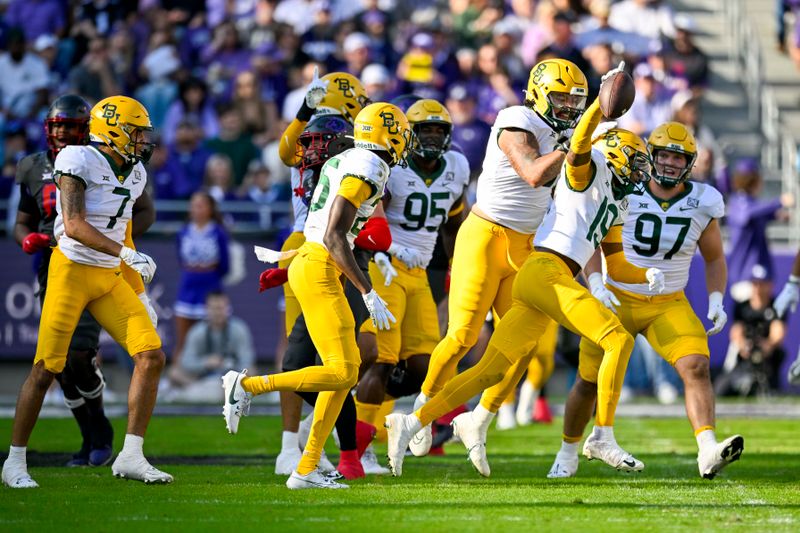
141, 263
380, 314
316, 90
716, 313
272, 277
788, 297
411, 257
601, 292
385, 266
151, 311
34, 242
655, 280
612, 72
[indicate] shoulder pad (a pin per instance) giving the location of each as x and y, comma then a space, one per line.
519, 117
72, 160
711, 200
459, 164
365, 165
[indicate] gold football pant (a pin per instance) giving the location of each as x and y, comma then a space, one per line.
73, 287
316, 280
486, 259
544, 289
667, 321
293, 242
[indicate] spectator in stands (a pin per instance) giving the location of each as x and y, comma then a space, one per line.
684, 59
493, 89
785, 7
377, 82
23, 79
601, 60
747, 219
374, 24
233, 141
123, 56
225, 58
710, 165
193, 103
596, 30
538, 34
38, 17
506, 37
299, 14
185, 164
417, 71
218, 178
357, 55
259, 189
93, 78
101, 17
213, 346
473, 21
263, 28
652, 105
159, 67
756, 343
651, 18
294, 99
563, 44
260, 115
470, 133
203, 258
319, 42
46, 47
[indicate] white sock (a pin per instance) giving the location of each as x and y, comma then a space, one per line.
413, 423
706, 438
133, 445
482, 416
290, 441
568, 448
603, 432
420, 400
17, 454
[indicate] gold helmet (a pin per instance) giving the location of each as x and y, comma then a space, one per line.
113, 122
672, 137
383, 126
428, 111
627, 158
345, 96
557, 91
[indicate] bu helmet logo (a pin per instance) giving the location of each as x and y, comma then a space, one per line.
110, 114
389, 122
344, 86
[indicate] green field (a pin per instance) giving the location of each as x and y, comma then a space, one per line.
227, 482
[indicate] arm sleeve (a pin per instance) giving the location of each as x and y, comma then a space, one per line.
375, 235
619, 269
579, 176
355, 190
288, 148
27, 203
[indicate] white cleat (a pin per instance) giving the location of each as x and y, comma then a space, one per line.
506, 418
369, 461
612, 454
527, 395
287, 461
313, 480
474, 439
718, 457
137, 468
399, 434
16, 476
564, 466
421, 442
237, 400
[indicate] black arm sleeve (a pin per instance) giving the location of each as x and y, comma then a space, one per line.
27, 203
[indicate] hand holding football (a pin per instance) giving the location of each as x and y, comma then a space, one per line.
616, 95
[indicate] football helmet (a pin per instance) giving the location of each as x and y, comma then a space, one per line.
384, 127
557, 91
69, 109
346, 96
627, 157
428, 111
404, 101
672, 137
323, 137
123, 124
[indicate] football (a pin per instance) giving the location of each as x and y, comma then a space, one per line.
616, 95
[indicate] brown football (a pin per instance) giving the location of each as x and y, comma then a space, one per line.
616, 95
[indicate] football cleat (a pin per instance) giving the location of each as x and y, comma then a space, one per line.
714, 459
137, 468
506, 419
313, 480
349, 465
421, 442
370, 463
100, 456
611, 453
541, 411
399, 433
16, 476
474, 440
287, 461
564, 466
237, 400
325, 465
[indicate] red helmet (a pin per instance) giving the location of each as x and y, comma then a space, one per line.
67, 109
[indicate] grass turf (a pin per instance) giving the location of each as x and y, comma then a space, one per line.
227, 481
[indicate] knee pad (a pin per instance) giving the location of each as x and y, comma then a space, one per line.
618, 339
348, 375
74, 403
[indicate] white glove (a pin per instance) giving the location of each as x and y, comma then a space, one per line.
141, 263
655, 278
411, 257
380, 314
794, 372
150, 309
788, 297
385, 266
716, 313
599, 291
316, 90
620, 68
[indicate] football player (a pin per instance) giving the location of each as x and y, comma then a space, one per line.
522, 162
787, 300
350, 187
82, 382
420, 198
663, 230
97, 187
588, 199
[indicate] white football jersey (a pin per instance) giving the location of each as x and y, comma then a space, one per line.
415, 210
356, 162
576, 222
664, 234
502, 193
299, 208
109, 201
